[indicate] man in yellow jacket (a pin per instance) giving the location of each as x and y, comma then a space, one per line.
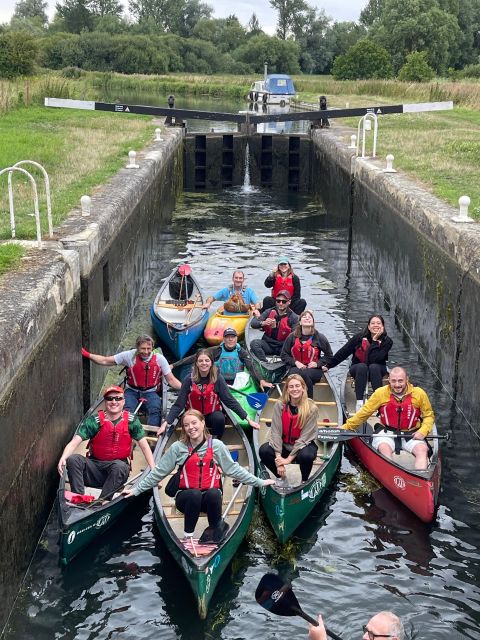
403, 410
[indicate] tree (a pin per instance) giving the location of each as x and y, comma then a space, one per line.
106, 7
171, 16
75, 15
344, 35
416, 68
18, 52
282, 55
418, 25
31, 9
316, 43
225, 33
366, 59
292, 16
253, 26
372, 12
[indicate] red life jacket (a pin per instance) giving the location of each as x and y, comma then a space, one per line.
200, 473
204, 401
112, 442
145, 374
290, 429
283, 284
361, 351
284, 329
305, 352
401, 416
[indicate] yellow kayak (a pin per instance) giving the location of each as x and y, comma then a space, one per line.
219, 321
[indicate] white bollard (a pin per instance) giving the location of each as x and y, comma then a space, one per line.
347, 105
367, 125
132, 156
158, 137
86, 204
463, 216
389, 168
353, 141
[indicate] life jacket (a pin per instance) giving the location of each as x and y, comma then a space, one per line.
200, 473
283, 328
283, 284
229, 362
305, 352
290, 429
112, 442
145, 374
206, 401
401, 416
361, 351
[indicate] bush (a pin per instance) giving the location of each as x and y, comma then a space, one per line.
366, 59
72, 72
18, 53
470, 71
416, 68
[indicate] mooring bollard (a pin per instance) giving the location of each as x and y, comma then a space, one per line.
353, 141
464, 202
132, 156
389, 168
86, 204
158, 137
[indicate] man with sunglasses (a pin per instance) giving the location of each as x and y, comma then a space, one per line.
277, 324
111, 434
383, 625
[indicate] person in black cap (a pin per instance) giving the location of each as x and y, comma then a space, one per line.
277, 324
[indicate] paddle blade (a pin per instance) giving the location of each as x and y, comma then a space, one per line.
276, 596
329, 434
257, 400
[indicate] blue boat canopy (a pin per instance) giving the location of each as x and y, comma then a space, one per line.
280, 84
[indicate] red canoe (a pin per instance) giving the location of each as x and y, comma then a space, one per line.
418, 490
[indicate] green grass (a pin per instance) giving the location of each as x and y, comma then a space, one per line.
79, 150
10, 256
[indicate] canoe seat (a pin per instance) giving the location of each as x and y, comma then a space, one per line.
168, 305
153, 439
321, 384
326, 403
235, 447
327, 423
265, 419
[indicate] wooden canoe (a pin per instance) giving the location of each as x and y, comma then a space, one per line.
288, 506
204, 570
219, 321
179, 323
418, 490
81, 524
274, 369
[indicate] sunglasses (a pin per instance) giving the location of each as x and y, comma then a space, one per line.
113, 398
372, 636
281, 301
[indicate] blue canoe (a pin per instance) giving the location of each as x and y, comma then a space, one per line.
178, 317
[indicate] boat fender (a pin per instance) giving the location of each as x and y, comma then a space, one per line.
256, 96
265, 98
282, 103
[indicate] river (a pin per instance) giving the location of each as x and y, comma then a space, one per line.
359, 552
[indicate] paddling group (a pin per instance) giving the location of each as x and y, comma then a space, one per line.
207, 398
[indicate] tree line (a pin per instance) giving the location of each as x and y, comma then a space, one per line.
409, 39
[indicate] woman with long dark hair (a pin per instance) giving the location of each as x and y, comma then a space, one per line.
369, 350
282, 278
306, 351
205, 390
293, 431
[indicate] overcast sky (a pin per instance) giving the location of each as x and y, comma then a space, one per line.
337, 9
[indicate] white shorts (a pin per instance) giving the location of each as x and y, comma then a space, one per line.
406, 445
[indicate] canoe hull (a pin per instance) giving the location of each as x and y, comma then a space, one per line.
286, 512
218, 322
419, 494
250, 387
203, 578
178, 341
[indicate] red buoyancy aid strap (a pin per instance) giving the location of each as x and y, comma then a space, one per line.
361, 351
282, 284
305, 352
290, 429
200, 473
145, 374
400, 416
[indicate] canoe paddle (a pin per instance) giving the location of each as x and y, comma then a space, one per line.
255, 400
276, 596
343, 435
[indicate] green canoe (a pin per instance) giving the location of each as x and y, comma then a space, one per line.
204, 570
288, 506
274, 369
81, 524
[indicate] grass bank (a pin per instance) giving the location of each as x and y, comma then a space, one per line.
79, 149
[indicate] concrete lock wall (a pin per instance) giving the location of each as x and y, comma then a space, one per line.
427, 265
79, 290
